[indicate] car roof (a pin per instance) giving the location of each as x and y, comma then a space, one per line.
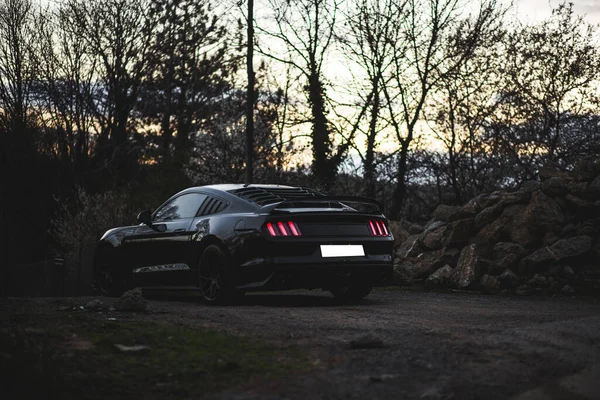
255, 194
232, 186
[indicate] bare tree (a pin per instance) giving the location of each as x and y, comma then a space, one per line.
427, 51
219, 148
302, 35
65, 88
460, 109
553, 69
284, 106
369, 43
117, 33
17, 145
17, 71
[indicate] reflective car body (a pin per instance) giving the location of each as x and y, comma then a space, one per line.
268, 237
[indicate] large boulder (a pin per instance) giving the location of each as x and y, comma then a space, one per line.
538, 282
550, 238
579, 189
402, 272
439, 279
409, 247
526, 225
493, 199
586, 169
434, 240
437, 236
94, 305
586, 229
516, 229
422, 266
488, 215
570, 248
467, 272
518, 197
496, 267
508, 279
591, 271
450, 256
451, 213
492, 233
538, 261
550, 171
555, 187
561, 251
530, 186
594, 188
544, 213
399, 231
503, 249
578, 205
476, 204
595, 253
131, 300
458, 232
490, 283
412, 228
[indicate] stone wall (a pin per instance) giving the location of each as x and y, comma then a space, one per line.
543, 238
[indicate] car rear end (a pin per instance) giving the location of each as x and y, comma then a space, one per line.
319, 242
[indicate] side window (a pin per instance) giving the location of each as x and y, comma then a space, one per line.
212, 206
184, 206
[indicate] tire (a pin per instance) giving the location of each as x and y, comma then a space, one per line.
106, 281
352, 293
215, 276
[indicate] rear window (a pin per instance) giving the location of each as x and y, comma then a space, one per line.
269, 195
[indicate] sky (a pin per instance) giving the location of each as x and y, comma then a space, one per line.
537, 10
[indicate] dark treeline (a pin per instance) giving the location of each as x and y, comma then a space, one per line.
108, 107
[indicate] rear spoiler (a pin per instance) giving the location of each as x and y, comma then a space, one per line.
321, 199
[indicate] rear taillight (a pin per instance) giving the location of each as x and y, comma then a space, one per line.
283, 228
378, 228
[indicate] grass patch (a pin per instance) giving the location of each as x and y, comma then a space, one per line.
75, 357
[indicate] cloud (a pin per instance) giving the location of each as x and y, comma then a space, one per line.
589, 7
537, 10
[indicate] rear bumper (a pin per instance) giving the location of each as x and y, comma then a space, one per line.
311, 271
311, 277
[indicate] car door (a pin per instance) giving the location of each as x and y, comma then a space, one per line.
166, 254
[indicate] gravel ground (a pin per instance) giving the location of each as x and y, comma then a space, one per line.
434, 345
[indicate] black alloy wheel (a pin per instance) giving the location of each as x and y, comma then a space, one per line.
351, 293
215, 278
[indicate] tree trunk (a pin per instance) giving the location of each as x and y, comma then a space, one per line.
250, 96
400, 189
370, 178
166, 132
323, 168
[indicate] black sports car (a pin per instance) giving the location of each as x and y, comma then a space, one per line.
222, 240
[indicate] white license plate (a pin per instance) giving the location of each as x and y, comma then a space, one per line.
344, 250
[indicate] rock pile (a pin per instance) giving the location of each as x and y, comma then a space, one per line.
131, 300
542, 238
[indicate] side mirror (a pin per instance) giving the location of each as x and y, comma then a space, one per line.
145, 217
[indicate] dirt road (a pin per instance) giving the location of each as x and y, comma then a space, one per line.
432, 345
435, 345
